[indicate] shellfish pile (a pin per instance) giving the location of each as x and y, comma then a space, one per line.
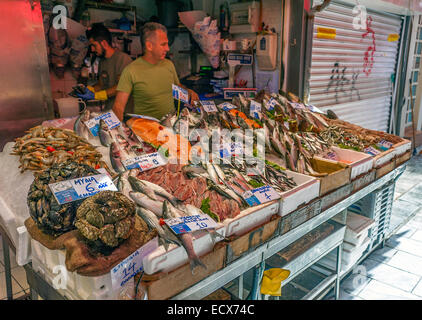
41, 147
105, 220
51, 217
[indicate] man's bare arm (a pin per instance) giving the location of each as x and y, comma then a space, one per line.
120, 104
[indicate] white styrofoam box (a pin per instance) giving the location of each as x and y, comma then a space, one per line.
359, 161
347, 258
402, 147
357, 227
162, 260
250, 218
46, 262
306, 190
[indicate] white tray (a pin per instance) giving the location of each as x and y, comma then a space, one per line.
402, 147
306, 190
359, 161
45, 262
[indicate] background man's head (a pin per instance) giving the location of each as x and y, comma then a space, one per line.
154, 40
99, 38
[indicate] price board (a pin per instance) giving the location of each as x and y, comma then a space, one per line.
260, 195
186, 224
80, 188
145, 162
209, 106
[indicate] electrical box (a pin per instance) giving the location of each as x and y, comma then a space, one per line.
266, 51
244, 17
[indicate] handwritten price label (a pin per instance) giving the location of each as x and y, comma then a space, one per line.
226, 106
260, 195
255, 109
132, 265
145, 162
190, 223
80, 188
109, 118
209, 106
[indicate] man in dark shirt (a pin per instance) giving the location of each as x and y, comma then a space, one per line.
111, 65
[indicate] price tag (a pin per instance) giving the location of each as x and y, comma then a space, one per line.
260, 195
180, 94
384, 145
132, 265
255, 109
226, 106
232, 149
190, 223
109, 118
372, 151
145, 162
314, 109
331, 155
209, 106
80, 188
297, 105
271, 104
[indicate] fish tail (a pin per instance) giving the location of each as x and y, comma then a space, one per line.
196, 262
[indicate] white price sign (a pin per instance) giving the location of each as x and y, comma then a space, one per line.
109, 118
260, 195
255, 109
209, 106
271, 104
190, 223
145, 162
226, 106
132, 265
180, 94
80, 188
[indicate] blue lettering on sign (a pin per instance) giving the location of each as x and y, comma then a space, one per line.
180, 228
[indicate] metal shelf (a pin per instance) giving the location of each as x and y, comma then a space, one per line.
266, 250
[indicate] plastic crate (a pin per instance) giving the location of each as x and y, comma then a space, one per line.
377, 206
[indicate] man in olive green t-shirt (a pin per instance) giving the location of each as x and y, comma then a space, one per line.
149, 78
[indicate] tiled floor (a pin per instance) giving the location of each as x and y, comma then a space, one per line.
20, 286
394, 272
391, 272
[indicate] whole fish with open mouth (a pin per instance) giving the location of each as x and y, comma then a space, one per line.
104, 134
146, 202
186, 238
116, 157
80, 127
153, 190
165, 236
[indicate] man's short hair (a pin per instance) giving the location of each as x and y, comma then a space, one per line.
99, 32
148, 30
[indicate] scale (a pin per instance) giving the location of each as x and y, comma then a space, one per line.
237, 59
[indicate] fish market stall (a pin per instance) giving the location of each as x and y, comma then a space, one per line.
172, 208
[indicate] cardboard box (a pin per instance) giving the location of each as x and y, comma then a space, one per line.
239, 246
162, 286
386, 168
337, 174
301, 215
403, 158
363, 180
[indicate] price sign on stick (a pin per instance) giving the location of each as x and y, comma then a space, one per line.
145, 162
180, 94
260, 195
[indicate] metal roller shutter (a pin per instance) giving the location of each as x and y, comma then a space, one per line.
351, 69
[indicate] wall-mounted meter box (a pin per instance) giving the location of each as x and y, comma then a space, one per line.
244, 17
266, 51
